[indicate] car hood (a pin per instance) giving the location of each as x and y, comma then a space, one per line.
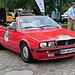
50, 34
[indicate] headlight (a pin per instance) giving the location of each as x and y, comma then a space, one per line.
43, 44
51, 44
47, 44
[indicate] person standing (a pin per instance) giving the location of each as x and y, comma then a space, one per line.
71, 16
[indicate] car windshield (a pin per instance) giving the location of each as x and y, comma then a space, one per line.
36, 22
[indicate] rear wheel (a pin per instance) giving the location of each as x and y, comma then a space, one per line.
25, 53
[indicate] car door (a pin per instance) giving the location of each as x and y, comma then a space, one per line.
12, 37
9, 37
12, 40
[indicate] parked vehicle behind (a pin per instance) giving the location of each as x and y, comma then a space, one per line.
64, 17
6, 16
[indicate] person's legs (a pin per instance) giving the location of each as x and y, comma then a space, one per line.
70, 23
74, 25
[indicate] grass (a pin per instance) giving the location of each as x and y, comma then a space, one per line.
65, 26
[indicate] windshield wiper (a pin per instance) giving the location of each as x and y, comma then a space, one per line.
41, 27
29, 27
48, 26
55, 26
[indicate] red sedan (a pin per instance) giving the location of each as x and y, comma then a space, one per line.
37, 37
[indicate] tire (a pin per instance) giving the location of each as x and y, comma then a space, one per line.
1, 47
25, 53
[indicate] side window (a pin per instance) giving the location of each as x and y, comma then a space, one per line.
13, 26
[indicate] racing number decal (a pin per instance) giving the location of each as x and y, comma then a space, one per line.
6, 35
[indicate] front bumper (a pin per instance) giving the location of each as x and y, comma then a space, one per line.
43, 54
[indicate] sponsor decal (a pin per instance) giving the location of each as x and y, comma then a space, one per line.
64, 37
6, 35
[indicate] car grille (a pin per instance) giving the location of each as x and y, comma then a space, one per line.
65, 42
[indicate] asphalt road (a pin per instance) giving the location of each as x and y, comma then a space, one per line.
12, 61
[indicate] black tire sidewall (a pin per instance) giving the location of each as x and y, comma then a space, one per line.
29, 58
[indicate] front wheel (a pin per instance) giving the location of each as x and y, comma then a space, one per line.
25, 53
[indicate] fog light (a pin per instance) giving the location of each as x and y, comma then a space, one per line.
50, 55
47, 51
34, 51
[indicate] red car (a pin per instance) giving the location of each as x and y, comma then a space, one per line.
37, 37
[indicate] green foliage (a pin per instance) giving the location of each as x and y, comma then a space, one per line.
31, 5
65, 26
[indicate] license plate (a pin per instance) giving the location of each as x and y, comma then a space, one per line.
66, 51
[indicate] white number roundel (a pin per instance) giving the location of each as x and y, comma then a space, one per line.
6, 35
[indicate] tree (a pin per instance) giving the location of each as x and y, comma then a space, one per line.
31, 5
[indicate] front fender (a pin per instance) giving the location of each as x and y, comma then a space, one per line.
25, 41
